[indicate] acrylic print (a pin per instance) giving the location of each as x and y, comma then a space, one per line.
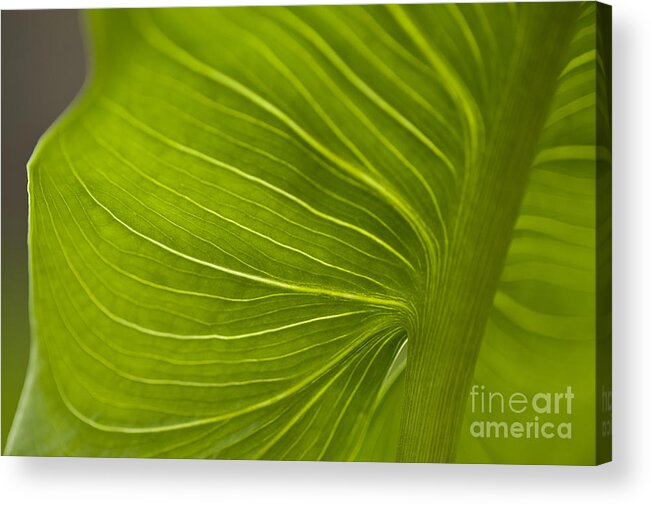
341, 233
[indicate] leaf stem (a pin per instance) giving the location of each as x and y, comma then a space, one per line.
446, 337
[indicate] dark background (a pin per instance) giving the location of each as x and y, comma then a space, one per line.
43, 67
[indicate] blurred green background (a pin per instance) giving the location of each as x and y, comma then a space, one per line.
43, 67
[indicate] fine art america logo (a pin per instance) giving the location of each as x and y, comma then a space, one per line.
544, 414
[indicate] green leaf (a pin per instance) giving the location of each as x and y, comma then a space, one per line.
543, 324
249, 213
